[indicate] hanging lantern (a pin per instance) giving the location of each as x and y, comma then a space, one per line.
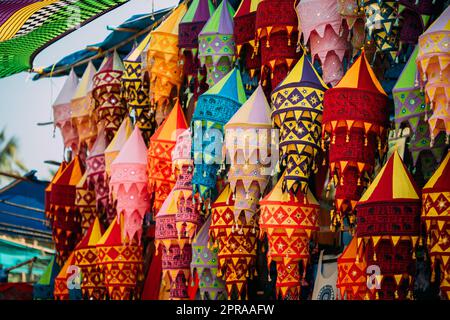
166, 72
49, 213
135, 90
161, 179
108, 104
216, 43
297, 111
120, 263
352, 276
276, 36
383, 26
66, 227
190, 26
433, 61
246, 46
204, 266
214, 109
81, 108
177, 222
435, 215
354, 20
97, 176
45, 287
354, 129
62, 112
86, 203
92, 286
322, 27
128, 185
288, 219
388, 228
117, 143
61, 290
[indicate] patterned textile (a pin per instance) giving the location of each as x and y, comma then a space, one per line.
86, 204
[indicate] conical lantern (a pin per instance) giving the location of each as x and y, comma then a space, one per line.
276, 36
177, 222
388, 227
354, 20
61, 290
236, 240
113, 149
383, 26
49, 213
436, 216
120, 263
433, 62
97, 175
128, 185
45, 287
86, 203
352, 276
297, 111
216, 43
288, 219
135, 90
166, 72
214, 109
66, 227
92, 286
161, 179
189, 29
62, 112
204, 266
322, 27
109, 107
81, 107
244, 35
354, 128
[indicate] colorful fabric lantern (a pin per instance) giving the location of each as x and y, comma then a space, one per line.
92, 286
204, 266
288, 219
244, 35
236, 240
415, 17
86, 203
128, 185
277, 34
354, 19
49, 213
297, 112
216, 43
352, 276
108, 104
117, 143
214, 109
354, 127
177, 222
321, 26
66, 227
248, 142
62, 112
433, 62
166, 73
190, 26
388, 228
135, 90
82, 108
45, 287
120, 263
61, 291
435, 215
161, 179
383, 26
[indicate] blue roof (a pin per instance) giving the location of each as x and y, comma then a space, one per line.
22, 209
120, 34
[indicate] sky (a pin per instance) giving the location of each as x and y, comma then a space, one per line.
24, 103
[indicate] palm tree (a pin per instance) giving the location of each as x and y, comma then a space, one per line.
9, 163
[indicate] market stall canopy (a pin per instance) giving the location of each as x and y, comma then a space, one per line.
120, 39
29, 26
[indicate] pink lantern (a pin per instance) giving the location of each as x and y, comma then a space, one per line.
129, 184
